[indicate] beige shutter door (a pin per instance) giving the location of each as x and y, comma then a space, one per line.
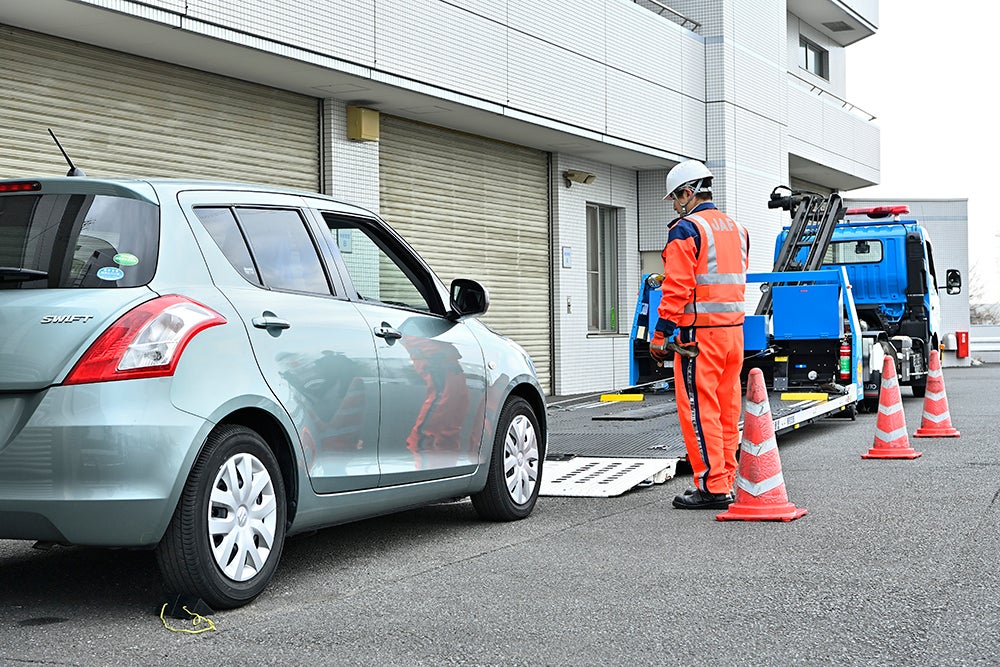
475, 208
122, 115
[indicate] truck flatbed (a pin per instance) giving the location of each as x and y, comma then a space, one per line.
604, 448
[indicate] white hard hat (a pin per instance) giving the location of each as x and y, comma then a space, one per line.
689, 171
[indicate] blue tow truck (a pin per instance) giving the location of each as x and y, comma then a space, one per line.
848, 287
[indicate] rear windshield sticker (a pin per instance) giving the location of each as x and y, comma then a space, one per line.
110, 273
126, 259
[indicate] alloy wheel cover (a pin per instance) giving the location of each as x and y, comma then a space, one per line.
520, 459
242, 515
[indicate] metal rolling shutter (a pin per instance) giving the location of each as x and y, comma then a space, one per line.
123, 115
475, 208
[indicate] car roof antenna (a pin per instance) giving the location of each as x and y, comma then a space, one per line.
73, 169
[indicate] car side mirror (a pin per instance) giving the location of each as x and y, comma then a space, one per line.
468, 298
953, 281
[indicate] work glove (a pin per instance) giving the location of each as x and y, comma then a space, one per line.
662, 346
658, 347
654, 280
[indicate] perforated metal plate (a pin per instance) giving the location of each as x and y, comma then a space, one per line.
593, 477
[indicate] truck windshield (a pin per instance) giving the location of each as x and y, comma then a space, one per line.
76, 241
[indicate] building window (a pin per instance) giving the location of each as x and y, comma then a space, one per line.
602, 269
814, 59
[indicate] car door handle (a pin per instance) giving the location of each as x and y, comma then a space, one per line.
387, 332
270, 322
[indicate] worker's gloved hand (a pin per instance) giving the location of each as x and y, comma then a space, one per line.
654, 280
658, 346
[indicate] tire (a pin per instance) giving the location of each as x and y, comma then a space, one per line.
222, 545
515, 474
919, 388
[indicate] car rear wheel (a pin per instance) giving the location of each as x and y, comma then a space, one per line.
515, 473
225, 538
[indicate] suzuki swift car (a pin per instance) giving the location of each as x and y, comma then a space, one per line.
205, 369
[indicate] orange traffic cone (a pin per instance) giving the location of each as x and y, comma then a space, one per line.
891, 441
936, 422
760, 486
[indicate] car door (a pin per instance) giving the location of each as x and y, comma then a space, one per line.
314, 349
431, 369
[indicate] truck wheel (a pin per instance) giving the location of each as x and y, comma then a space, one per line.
226, 536
515, 473
919, 387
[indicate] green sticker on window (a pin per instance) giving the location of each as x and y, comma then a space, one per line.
126, 259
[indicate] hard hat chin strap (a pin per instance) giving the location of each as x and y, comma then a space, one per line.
696, 188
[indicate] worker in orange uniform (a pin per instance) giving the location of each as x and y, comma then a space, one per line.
702, 308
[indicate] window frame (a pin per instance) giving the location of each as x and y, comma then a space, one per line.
395, 248
810, 54
603, 303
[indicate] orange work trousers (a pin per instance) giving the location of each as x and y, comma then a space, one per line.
707, 388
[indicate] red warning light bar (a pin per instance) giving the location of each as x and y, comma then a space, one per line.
20, 186
880, 211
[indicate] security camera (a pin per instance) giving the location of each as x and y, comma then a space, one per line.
577, 176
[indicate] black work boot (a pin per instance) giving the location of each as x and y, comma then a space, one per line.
700, 500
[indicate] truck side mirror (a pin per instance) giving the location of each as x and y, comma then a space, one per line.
953, 281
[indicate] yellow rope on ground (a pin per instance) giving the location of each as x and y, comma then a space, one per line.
195, 621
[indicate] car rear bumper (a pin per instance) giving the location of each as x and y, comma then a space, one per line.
98, 464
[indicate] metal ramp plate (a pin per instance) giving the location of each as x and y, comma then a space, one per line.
638, 414
600, 477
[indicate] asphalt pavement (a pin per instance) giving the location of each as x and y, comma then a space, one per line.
896, 563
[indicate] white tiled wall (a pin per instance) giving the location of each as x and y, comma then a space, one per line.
342, 29
350, 168
436, 42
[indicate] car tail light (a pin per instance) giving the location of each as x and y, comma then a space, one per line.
145, 342
20, 186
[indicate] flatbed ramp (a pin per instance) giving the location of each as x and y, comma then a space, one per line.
601, 449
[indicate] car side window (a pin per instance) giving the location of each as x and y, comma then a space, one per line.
221, 224
269, 247
379, 271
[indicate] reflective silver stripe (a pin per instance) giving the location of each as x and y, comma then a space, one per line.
937, 419
760, 448
761, 487
711, 307
708, 238
721, 278
889, 436
708, 241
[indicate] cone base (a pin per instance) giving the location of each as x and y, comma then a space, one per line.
746, 512
891, 453
936, 432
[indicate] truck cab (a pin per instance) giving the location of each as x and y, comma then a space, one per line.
890, 265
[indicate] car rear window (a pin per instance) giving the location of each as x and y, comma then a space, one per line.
76, 241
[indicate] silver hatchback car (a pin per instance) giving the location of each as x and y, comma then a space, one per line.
205, 369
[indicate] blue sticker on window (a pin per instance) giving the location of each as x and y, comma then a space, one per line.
110, 273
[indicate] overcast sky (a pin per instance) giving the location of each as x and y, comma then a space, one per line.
928, 77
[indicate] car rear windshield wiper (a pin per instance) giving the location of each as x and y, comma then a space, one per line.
20, 274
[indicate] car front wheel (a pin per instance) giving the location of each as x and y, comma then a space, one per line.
515, 473
225, 538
